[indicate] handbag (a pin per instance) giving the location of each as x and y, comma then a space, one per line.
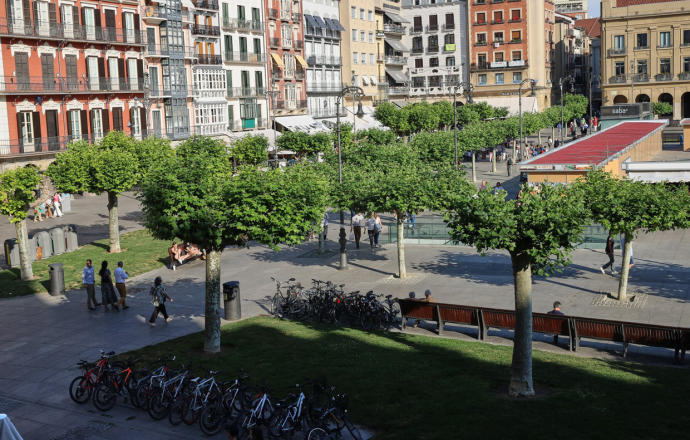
351, 236
155, 301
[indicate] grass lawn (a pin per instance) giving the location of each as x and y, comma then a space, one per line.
143, 253
419, 387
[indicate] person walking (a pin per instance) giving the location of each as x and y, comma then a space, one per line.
378, 227
57, 202
324, 225
357, 224
610, 243
88, 279
371, 229
107, 290
159, 297
550, 142
120, 280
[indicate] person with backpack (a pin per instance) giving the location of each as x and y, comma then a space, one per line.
159, 296
609, 252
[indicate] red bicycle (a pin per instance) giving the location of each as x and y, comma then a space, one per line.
115, 383
81, 388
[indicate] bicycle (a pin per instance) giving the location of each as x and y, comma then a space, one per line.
117, 382
204, 393
81, 388
229, 408
163, 397
261, 411
332, 418
287, 420
146, 384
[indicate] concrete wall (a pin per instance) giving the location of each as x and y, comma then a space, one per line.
645, 150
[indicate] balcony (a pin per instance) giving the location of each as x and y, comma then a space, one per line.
299, 44
323, 88
395, 90
497, 21
393, 29
246, 92
480, 23
499, 65
160, 51
291, 105
38, 85
210, 129
481, 43
247, 124
45, 30
199, 92
206, 4
275, 42
640, 77
39, 145
431, 29
448, 27
395, 59
515, 20
617, 79
416, 30
296, 17
200, 29
286, 44
208, 59
321, 60
156, 14
249, 26
380, 33
615, 52
664, 76
273, 14
244, 58
685, 76
417, 50
432, 49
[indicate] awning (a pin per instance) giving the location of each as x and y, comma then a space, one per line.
188, 4
395, 17
365, 80
335, 24
399, 77
373, 80
320, 21
512, 103
397, 45
311, 21
277, 60
301, 61
302, 123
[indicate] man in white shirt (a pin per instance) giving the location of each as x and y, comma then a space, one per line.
357, 224
120, 279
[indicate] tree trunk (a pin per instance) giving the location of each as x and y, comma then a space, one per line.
402, 272
514, 151
320, 232
113, 225
521, 368
539, 137
493, 160
25, 267
625, 269
212, 318
474, 168
553, 133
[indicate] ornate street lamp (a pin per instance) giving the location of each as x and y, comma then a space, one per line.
533, 84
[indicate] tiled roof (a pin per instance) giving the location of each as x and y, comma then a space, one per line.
592, 26
598, 148
623, 3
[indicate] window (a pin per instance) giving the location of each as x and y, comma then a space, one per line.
498, 57
286, 33
371, 37
433, 42
515, 15
642, 67
362, 36
433, 62
417, 45
74, 123
417, 24
419, 63
450, 61
450, 21
516, 55
516, 36
364, 58
499, 78
664, 39
353, 12
97, 123
371, 59
481, 79
642, 41
498, 16
355, 57
686, 36
517, 77
25, 123
354, 34
481, 39
481, 18
361, 14
620, 68
371, 15
418, 81
449, 39
289, 61
481, 59
619, 43
433, 23
665, 65
686, 64
498, 37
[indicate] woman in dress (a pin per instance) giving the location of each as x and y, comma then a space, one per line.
107, 289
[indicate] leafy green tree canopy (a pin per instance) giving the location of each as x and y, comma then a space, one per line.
250, 150
18, 192
662, 108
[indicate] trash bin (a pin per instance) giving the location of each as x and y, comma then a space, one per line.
71, 241
231, 300
32, 247
12, 252
57, 236
66, 203
43, 240
57, 279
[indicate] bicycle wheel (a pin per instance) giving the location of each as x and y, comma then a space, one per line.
279, 424
142, 395
318, 434
159, 405
189, 413
80, 389
175, 412
212, 419
104, 398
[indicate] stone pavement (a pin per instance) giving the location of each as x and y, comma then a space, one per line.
42, 337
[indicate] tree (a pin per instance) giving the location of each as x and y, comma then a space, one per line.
662, 108
422, 118
436, 148
195, 197
150, 151
377, 136
250, 150
576, 105
111, 167
303, 143
625, 207
17, 193
538, 231
387, 114
445, 113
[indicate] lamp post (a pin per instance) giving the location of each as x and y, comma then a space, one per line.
467, 88
561, 80
270, 95
357, 92
533, 83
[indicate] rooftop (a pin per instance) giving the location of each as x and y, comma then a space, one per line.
600, 147
591, 26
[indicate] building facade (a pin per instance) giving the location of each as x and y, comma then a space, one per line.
362, 60
576, 9
592, 28
243, 32
322, 45
70, 71
571, 55
396, 81
437, 36
168, 56
645, 53
511, 42
286, 64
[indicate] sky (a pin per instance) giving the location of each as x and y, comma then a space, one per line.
594, 8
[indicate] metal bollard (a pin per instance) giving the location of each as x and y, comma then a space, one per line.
231, 300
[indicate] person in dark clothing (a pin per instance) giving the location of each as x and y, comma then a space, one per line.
556, 311
107, 289
609, 251
159, 297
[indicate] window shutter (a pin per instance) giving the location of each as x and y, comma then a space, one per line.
83, 20
26, 6
105, 116
19, 130
84, 124
91, 112
121, 71
101, 73
35, 14
69, 124
52, 17
142, 121
37, 130
140, 71
117, 119
228, 80
97, 23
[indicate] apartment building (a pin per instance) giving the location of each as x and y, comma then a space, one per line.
168, 57
438, 39
322, 35
362, 56
243, 31
511, 42
592, 28
571, 55
576, 9
395, 81
286, 65
646, 53
69, 71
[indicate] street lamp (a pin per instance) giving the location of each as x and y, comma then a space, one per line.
271, 94
467, 88
533, 84
562, 80
592, 80
357, 93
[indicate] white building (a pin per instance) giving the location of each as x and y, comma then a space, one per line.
322, 33
437, 36
243, 30
578, 9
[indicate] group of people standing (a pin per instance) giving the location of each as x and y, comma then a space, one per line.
109, 299
51, 207
372, 223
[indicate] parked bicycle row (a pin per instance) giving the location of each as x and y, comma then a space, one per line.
244, 411
328, 302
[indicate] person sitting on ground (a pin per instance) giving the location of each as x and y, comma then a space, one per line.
192, 251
